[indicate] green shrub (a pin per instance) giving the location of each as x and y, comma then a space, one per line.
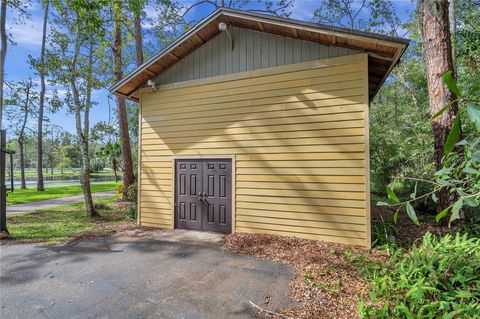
120, 189
97, 165
471, 223
132, 192
132, 213
438, 279
100, 205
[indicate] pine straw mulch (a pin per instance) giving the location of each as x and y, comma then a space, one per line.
326, 283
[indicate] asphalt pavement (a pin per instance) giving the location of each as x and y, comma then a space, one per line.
138, 274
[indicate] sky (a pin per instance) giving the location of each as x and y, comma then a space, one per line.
27, 36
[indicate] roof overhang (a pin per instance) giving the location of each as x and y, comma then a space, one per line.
384, 51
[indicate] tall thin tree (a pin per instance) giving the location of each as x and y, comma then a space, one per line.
41, 106
83, 132
72, 64
128, 176
3, 52
138, 34
437, 52
19, 105
21, 133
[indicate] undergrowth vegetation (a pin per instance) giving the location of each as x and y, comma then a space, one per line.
384, 234
438, 277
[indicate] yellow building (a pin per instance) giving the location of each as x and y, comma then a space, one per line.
254, 123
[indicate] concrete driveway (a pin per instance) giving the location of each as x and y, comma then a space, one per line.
138, 274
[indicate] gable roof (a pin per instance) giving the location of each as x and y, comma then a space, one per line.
384, 51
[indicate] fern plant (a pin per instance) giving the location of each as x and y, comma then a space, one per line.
438, 279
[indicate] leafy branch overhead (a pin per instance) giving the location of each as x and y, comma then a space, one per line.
460, 175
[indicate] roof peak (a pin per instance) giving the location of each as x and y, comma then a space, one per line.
314, 24
384, 51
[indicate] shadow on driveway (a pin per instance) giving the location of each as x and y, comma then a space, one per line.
160, 274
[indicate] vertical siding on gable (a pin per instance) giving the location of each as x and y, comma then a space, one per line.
298, 134
251, 50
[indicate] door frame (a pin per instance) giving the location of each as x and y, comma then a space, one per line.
201, 157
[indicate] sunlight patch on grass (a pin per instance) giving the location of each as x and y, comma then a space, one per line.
61, 223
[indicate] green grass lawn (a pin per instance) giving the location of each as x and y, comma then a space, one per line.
16, 174
20, 196
65, 223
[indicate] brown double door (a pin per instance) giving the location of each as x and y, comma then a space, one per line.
203, 194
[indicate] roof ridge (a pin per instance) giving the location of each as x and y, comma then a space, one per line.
377, 45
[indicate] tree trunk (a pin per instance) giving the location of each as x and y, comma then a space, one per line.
116, 176
128, 177
41, 105
453, 28
3, 53
83, 133
85, 175
21, 148
86, 130
21, 138
114, 167
138, 37
437, 51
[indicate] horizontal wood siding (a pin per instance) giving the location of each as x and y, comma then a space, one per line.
251, 50
298, 136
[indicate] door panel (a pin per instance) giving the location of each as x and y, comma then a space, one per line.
189, 185
217, 184
204, 195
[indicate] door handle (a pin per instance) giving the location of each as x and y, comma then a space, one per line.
200, 197
203, 198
